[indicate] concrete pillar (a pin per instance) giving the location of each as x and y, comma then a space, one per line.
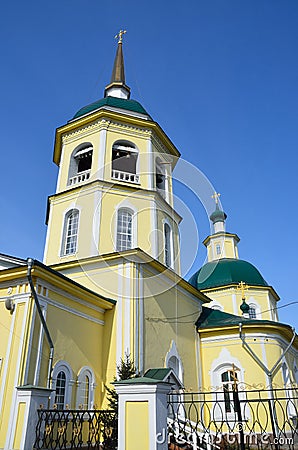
28, 400
142, 414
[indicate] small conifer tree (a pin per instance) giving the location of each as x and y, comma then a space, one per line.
125, 371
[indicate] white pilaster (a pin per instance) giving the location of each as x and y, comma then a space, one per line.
155, 395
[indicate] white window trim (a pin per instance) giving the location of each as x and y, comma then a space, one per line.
65, 367
172, 259
125, 205
64, 230
132, 148
81, 375
173, 351
84, 147
253, 304
220, 365
162, 167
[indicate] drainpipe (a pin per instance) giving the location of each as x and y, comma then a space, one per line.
30, 263
269, 373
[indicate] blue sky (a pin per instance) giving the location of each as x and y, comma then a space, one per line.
220, 76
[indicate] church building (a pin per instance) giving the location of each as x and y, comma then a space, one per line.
110, 282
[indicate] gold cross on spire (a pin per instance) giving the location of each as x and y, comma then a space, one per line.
216, 196
242, 287
119, 36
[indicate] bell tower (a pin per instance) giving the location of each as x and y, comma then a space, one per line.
114, 188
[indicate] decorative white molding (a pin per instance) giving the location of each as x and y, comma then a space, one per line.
75, 312
173, 353
65, 367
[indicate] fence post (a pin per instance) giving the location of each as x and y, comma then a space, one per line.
28, 400
142, 414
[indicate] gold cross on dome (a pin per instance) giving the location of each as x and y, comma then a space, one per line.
216, 196
242, 287
119, 36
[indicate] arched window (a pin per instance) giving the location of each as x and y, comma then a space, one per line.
80, 163
60, 390
252, 312
218, 249
85, 392
160, 178
124, 230
124, 162
168, 245
61, 384
70, 234
228, 379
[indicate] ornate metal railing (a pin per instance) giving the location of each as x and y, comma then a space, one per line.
76, 429
234, 419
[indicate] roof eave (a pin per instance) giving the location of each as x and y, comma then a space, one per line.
104, 112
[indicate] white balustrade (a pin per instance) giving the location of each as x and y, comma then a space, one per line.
82, 176
125, 176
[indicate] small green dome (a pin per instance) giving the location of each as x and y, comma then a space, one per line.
218, 216
244, 307
226, 271
114, 102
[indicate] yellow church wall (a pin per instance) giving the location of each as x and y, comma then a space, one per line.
108, 355
101, 277
230, 299
12, 349
229, 249
218, 349
139, 138
141, 205
162, 217
100, 225
69, 145
19, 426
34, 350
78, 341
169, 314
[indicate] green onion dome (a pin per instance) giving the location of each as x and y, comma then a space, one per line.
218, 216
226, 271
244, 307
114, 102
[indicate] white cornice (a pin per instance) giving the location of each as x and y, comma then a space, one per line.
72, 311
69, 297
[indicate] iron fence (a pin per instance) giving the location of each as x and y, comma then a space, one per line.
234, 418
76, 429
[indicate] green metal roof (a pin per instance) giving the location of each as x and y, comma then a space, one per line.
138, 380
213, 318
210, 318
115, 102
159, 374
226, 271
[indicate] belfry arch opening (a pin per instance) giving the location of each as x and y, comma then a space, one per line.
80, 163
125, 162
